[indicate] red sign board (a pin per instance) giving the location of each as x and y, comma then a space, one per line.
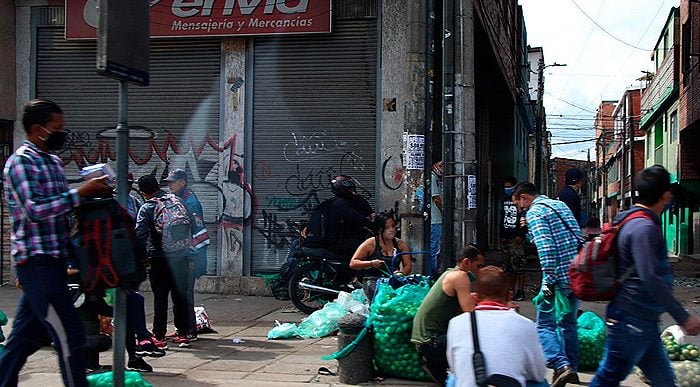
175, 18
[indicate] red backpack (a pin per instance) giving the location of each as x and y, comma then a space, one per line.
593, 272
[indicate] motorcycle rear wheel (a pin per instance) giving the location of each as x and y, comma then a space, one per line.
314, 273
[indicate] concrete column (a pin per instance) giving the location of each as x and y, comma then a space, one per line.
464, 136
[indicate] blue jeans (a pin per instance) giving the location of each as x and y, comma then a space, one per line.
632, 341
45, 307
435, 242
559, 339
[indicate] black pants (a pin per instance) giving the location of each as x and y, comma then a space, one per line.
171, 276
434, 358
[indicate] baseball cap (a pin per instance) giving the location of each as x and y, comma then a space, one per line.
130, 177
176, 174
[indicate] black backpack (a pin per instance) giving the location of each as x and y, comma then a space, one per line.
105, 247
317, 229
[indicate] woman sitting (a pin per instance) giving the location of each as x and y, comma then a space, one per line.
376, 253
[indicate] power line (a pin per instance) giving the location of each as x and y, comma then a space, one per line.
606, 31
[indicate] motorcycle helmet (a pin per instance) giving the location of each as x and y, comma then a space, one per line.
343, 185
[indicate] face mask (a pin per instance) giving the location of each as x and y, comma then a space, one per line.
55, 140
508, 191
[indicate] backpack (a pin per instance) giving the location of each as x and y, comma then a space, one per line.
593, 272
106, 231
317, 228
172, 222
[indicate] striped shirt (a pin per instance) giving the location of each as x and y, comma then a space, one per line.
40, 200
556, 244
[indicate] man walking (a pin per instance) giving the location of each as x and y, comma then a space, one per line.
633, 315
512, 241
169, 273
569, 194
40, 200
177, 182
556, 234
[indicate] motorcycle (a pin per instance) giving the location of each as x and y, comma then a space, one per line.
317, 278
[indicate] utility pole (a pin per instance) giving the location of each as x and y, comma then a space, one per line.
623, 161
538, 123
459, 144
632, 169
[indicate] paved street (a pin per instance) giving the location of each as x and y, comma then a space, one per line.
255, 361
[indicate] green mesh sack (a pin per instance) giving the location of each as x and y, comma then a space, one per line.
591, 341
104, 379
391, 317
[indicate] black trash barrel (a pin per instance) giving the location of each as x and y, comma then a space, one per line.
356, 366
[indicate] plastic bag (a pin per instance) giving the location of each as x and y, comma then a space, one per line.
677, 332
282, 331
591, 340
391, 316
202, 321
322, 322
104, 379
561, 306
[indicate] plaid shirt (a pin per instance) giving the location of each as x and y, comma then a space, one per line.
40, 199
556, 244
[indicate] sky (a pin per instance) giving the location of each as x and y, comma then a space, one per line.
601, 61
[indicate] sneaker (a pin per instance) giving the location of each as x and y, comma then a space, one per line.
182, 341
562, 376
192, 336
148, 348
161, 344
138, 364
519, 295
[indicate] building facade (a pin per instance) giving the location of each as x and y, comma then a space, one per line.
660, 122
688, 194
262, 119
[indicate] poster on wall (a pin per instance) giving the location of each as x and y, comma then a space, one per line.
415, 151
188, 18
471, 192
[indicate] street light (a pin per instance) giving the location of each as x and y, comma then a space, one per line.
539, 119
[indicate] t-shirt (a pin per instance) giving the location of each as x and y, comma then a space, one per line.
435, 312
508, 341
510, 221
436, 190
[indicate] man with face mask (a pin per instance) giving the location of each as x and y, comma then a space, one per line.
40, 201
447, 298
556, 234
633, 315
512, 242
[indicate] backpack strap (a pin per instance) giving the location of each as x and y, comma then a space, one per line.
478, 357
633, 215
579, 238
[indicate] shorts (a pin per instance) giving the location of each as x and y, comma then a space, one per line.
514, 260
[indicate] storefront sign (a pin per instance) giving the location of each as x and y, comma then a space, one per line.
174, 18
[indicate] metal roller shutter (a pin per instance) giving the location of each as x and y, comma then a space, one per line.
171, 120
314, 117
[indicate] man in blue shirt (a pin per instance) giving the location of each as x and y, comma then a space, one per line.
177, 182
556, 234
633, 315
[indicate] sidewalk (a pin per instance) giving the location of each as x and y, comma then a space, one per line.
216, 359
